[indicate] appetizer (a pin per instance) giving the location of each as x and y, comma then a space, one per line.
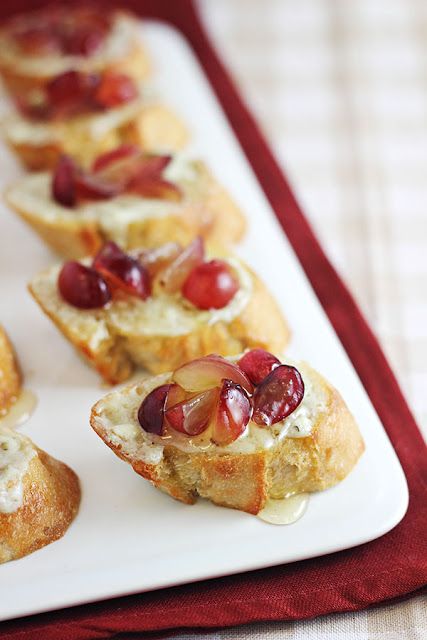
85, 114
10, 375
37, 46
39, 496
237, 433
128, 196
158, 308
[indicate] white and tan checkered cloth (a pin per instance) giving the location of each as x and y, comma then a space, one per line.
340, 87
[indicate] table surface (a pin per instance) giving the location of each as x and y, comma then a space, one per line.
340, 89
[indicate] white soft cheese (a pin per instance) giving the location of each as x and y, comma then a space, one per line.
32, 194
16, 451
158, 315
119, 419
20, 130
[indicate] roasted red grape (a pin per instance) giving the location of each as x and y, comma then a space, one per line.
82, 286
111, 157
174, 275
122, 271
232, 414
151, 411
71, 93
211, 285
115, 89
63, 182
278, 395
192, 415
257, 364
92, 187
205, 373
84, 40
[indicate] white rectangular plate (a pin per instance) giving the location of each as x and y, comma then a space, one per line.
129, 537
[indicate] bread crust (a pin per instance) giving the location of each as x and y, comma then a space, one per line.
51, 500
10, 374
154, 128
207, 210
245, 481
259, 324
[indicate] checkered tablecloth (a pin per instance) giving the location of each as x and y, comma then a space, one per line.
340, 88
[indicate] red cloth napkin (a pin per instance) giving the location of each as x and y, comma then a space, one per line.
389, 567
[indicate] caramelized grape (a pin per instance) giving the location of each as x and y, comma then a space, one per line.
111, 157
122, 271
37, 40
210, 285
151, 411
82, 286
208, 372
193, 415
115, 89
175, 274
232, 415
93, 187
84, 40
71, 93
63, 182
278, 395
257, 364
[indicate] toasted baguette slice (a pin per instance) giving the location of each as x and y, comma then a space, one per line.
206, 209
313, 449
121, 51
10, 375
164, 331
39, 496
142, 122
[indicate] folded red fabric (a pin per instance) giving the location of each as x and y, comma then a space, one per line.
389, 567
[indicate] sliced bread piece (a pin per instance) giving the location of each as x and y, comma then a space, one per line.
165, 330
131, 220
25, 71
312, 449
10, 375
39, 496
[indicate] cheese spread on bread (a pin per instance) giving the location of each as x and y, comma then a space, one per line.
21, 130
158, 315
114, 215
118, 43
120, 420
16, 451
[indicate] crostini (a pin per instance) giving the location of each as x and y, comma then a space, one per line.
39, 496
130, 197
86, 114
158, 308
237, 433
10, 375
37, 46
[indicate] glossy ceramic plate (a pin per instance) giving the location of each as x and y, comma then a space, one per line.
129, 537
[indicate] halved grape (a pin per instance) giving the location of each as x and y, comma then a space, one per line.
192, 416
152, 409
174, 275
211, 285
82, 286
63, 182
205, 373
113, 156
257, 364
278, 395
122, 271
232, 414
115, 89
